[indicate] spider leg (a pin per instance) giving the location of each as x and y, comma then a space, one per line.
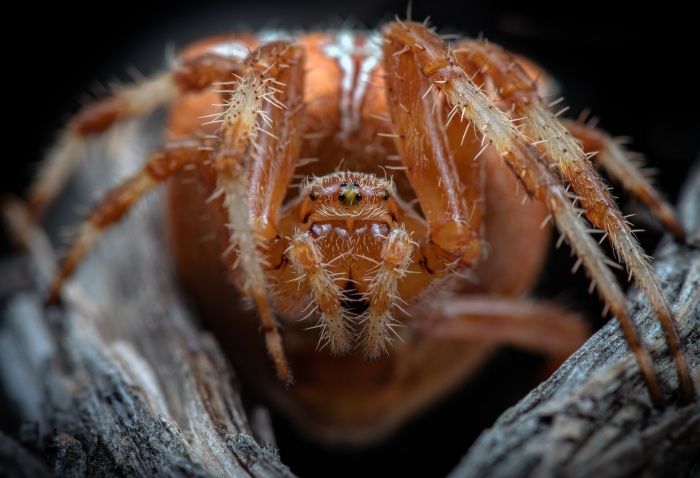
442, 163
617, 163
425, 151
162, 164
382, 293
259, 141
257, 144
487, 62
131, 101
535, 326
564, 152
467, 149
308, 263
436, 62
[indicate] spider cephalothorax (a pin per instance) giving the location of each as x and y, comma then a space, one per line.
350, 198
354, 221
443, 119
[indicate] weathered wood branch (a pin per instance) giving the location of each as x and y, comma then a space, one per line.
122, 381
15, 461
593, 417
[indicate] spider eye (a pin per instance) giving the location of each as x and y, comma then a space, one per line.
349, 194
356, 185
385, 196
313, 196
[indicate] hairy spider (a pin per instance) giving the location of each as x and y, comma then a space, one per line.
342, 110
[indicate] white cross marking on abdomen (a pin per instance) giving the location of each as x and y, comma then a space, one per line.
354, 81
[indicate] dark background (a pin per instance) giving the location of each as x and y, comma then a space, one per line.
629, 65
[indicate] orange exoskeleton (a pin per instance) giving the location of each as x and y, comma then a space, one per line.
406, 248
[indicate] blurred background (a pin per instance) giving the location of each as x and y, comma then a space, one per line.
629, 66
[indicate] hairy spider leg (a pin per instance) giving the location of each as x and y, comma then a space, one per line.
260, 139
501, 320
382, 295
437, 63
425, 152
252, 160
309, 265
621, 165
624, 167
535, 326
451, 199
126, 102
131, 101
117, 202
563, 152
64, 156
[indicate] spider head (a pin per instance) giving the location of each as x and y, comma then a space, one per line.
349, 198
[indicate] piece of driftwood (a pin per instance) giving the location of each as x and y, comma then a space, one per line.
18, 462
122, 381
593, 417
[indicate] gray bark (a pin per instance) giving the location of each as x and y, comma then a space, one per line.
593, 416
17, 462
129, 387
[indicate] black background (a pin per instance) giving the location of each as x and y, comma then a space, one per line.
630, 65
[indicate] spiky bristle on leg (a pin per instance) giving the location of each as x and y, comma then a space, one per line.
378, 322
334, 323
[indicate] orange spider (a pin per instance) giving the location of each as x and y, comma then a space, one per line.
374, 123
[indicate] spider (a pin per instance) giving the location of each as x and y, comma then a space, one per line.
407, 243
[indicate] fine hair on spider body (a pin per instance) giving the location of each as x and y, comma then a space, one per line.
403, 301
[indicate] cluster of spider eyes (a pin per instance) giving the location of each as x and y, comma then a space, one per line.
341, 196
357, 197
